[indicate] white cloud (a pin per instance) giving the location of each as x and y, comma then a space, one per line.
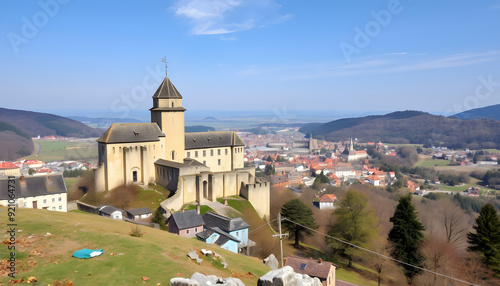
215, 17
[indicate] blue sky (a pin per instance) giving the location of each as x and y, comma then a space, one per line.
435, 56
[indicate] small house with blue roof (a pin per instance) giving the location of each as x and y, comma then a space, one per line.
230, 234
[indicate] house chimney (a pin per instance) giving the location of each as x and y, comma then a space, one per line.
198, 208
320, 260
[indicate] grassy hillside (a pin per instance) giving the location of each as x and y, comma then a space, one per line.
157, 255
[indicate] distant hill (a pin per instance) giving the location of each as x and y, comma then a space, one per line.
210, 118
198, 128
44, 124
411, 127
17, 127
14, 143
102, 122
491, 112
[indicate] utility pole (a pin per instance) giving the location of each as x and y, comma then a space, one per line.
281, 238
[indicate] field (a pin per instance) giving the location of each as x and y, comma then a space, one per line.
55, 150
433, 162
157, 255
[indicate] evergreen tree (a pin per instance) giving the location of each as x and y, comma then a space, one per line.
159, 219
297, 211
355, 223
406, 237
486, 240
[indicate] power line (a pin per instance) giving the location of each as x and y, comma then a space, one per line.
382, 255
268, 223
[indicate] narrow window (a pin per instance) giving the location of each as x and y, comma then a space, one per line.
219, 162
204, 153
204, 162
113, 150
226, 151
211, 152
172, 104
189, 154
218, 152
196, 154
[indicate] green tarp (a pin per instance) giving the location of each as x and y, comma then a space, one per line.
88, 253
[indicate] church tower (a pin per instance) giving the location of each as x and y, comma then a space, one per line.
168, 113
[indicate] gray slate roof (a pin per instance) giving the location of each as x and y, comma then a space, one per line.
108, 210
187, 219
167, 90
223, 236
187, 163
131, 132
226, 224
140, 211
212, 139
34, 186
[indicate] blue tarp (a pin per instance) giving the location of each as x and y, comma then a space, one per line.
88, 253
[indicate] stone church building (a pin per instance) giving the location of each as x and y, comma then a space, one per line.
196, 167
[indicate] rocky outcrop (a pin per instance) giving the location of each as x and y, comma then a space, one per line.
271, 262
198, 279
286, 277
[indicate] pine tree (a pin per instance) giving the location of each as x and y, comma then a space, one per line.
486, 240
297, 211
159, 219
406, 237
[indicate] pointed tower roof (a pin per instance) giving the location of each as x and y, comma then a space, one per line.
167, 90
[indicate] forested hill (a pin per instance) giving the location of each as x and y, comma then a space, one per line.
411, 127
17, 127
44, 124
491, 112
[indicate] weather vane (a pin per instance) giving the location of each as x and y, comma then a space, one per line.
164, 60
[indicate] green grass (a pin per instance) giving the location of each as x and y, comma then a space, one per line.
157, 255
53, 150
70, 183
79, 211
352, 277
432, 163
203, 209
147, 198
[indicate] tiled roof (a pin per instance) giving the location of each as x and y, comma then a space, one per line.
328, 198
212, 139
213, 220
310, 267
167, 90
187, 219
131, 132
34, 186
108, 210
140, 211
8, 165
